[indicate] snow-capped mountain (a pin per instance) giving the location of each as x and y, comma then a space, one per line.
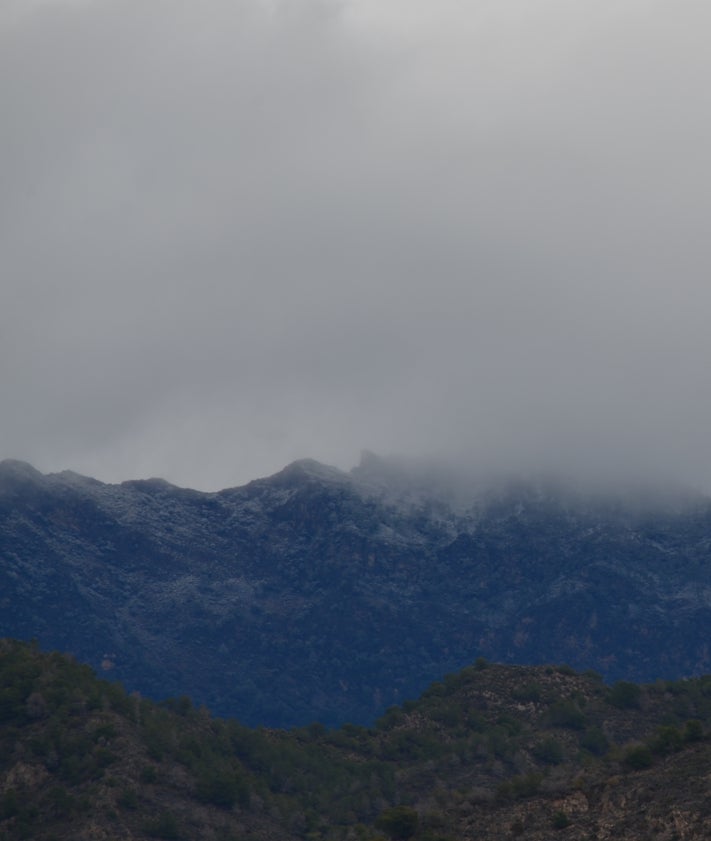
317, 594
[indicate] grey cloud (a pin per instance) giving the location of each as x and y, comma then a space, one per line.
240, 233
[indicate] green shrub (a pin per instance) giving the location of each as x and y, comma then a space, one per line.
567, 714
221, 786
163, 826
510, 724
550, 751
400, 822
390, 719
624, 695
61, 802
9, 805
560, 820
149, 774
693, 731
595, 741
128, 799
638, 758
107, 731
527, 692
593, 675
517, 788
666, 740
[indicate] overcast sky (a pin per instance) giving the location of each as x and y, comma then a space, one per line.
238, 232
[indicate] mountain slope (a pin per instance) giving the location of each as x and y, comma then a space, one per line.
316, 594
491, 752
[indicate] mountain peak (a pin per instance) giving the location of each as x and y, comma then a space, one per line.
152, 485
314, 469
13, 469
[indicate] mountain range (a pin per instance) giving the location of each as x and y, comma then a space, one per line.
323, 595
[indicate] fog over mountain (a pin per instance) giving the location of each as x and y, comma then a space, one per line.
239, 233
321, 595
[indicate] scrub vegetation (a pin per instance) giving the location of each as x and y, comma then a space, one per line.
530, 749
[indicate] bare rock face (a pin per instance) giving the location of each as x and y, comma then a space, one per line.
317, 594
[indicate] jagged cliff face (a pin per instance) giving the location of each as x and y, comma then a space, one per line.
322, 595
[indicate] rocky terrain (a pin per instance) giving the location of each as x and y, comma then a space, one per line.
488, 753
321, 595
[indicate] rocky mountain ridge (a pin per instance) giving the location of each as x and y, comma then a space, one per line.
316, 594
